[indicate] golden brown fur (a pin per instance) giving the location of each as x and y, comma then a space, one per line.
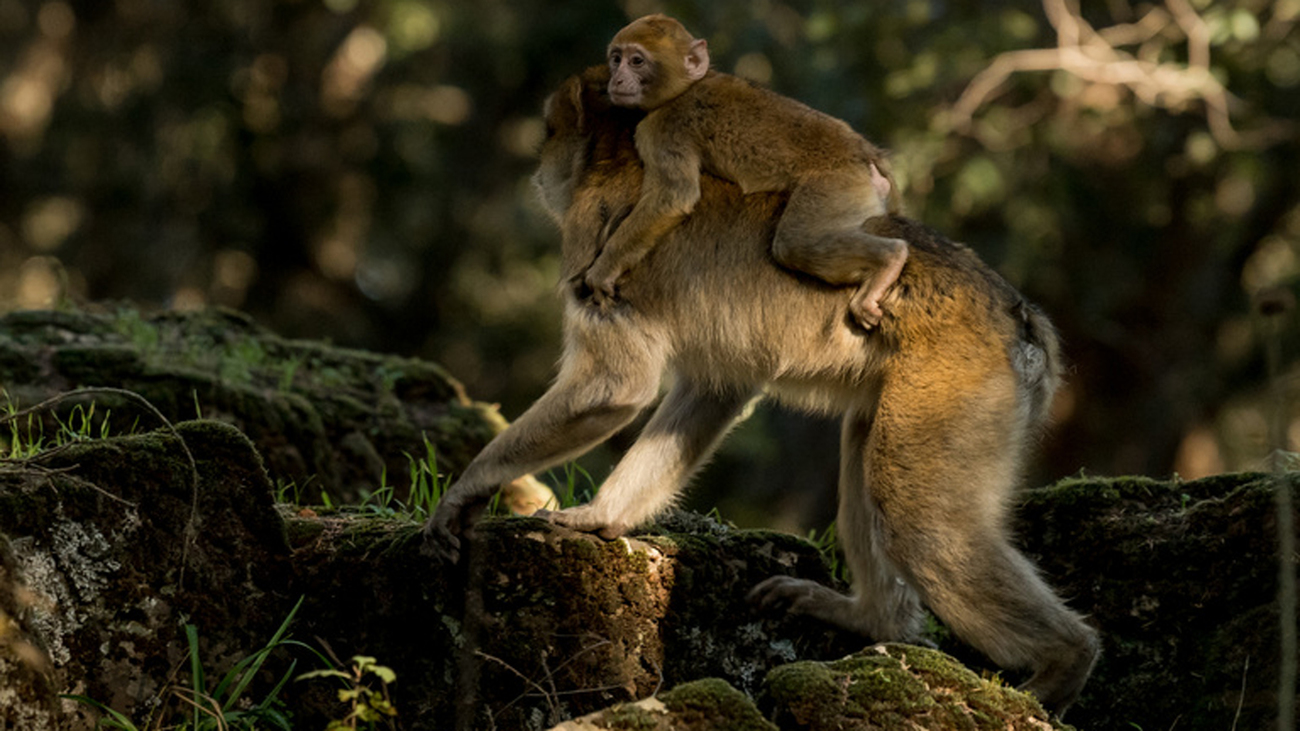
704, 121
938, 401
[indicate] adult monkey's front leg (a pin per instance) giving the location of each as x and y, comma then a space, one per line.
601, 387
680, 436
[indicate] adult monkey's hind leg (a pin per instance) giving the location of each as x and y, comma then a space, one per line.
942, 471
609, 374
883, 606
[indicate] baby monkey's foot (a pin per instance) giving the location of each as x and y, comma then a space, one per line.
865, 305
866, 312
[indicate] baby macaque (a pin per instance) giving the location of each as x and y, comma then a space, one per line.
701, 120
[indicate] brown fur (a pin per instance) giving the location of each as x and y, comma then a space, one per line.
701, 120
938, 401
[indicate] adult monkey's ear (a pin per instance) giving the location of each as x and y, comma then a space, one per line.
563, 108
596, 81
697, 59
573, 93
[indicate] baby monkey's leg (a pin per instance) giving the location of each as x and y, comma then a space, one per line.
820, 233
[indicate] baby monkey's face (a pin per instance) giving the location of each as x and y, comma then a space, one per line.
631, 72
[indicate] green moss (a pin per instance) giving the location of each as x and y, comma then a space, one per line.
715, 705
895, 687
710, 704
631, 718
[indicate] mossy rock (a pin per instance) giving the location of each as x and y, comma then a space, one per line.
108, 546
324, 418
1181, 579
896, 688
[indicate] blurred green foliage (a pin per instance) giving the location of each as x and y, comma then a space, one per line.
357, 170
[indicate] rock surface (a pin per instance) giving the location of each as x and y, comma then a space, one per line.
1182, 579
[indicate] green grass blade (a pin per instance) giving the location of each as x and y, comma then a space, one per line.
196, 668
254, 662
112, 719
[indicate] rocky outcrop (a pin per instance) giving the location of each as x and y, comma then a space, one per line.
110, 546
112, 549
881, 688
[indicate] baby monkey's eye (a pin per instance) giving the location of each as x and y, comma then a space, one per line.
637, 60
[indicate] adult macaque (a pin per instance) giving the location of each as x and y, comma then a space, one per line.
939, 401
704, 120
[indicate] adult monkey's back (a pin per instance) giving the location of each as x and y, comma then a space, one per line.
939, 401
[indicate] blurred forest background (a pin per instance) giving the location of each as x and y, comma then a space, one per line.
357, 170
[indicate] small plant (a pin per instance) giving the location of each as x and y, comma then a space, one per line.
287, 491
427, 488
383, 501
22, 443
80, 426
366, 705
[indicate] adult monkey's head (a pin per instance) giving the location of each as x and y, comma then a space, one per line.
653, 60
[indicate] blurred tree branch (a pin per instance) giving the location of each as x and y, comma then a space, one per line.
1099, 57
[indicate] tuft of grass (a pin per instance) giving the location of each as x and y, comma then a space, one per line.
24, 437
223, 706
578, 486
22, 443
427, 484
827, 544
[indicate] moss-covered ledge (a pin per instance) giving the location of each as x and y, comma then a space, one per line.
322, 417
1181, 578
542, 623
881, 688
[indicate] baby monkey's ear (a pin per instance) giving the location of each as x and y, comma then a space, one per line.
697, 60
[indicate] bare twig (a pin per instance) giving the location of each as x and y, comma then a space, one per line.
50, 472
552, 694
550, 700
1241, 698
